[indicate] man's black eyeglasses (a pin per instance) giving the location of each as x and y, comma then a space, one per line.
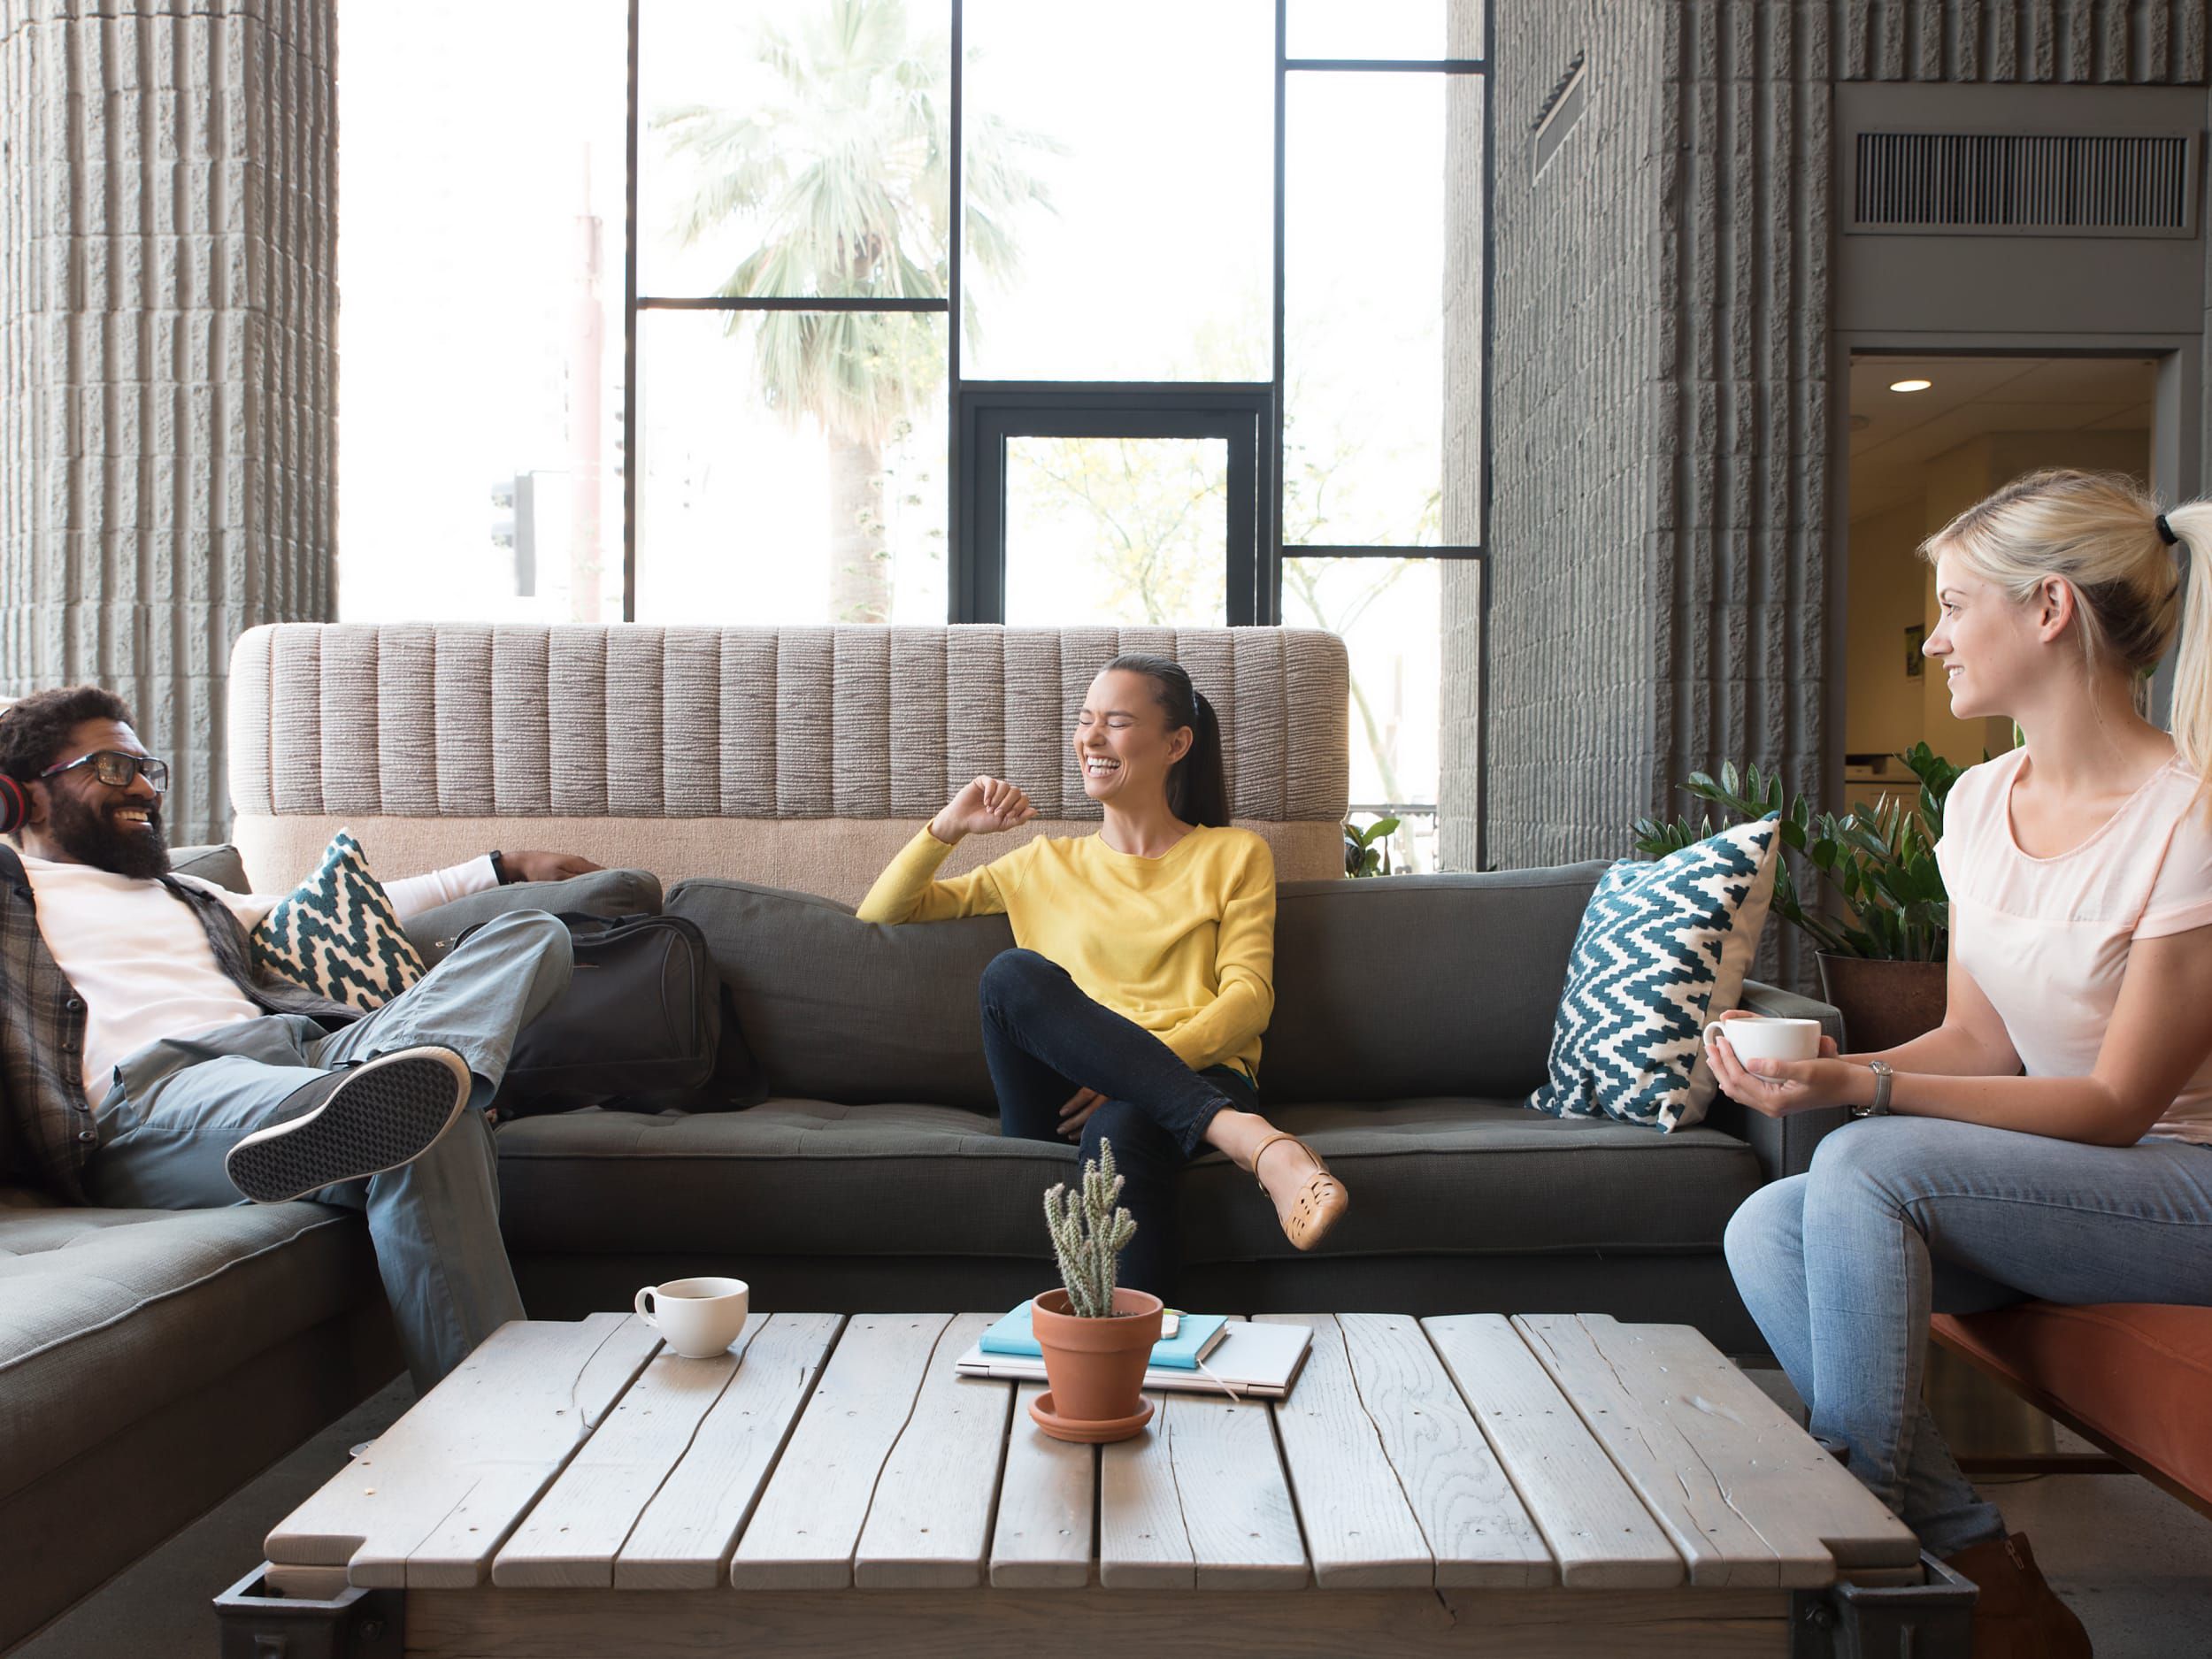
115, 769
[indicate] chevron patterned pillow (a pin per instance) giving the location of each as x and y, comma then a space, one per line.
1664, 947
337, 935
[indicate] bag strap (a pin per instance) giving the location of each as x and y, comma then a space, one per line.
577, 922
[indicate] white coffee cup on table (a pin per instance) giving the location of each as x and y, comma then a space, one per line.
698, 1317
1758, 1037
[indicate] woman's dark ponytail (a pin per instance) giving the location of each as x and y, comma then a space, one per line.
1197, 787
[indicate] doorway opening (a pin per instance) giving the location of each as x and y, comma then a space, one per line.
1931, 436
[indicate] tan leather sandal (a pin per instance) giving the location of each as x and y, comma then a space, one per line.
1318, 1207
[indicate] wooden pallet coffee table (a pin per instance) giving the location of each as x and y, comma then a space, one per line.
1544, 1484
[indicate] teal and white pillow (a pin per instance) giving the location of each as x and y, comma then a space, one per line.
1664, 947
337, 935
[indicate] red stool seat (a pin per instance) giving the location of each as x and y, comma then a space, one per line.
2134, 1376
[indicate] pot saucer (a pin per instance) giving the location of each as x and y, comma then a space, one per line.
1084, 1430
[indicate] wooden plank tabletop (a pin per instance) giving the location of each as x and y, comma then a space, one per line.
1389, 1424
1748, 1497
683, 1540
438, 1493
1046, 1507
1600, 1535
929, 1526
803, 1534
1474, 1454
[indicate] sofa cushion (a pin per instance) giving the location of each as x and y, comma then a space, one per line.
108, 1314
836, 1009
596, 893
784, 1176
221, 864
1482, 1178
1662, 948
1418, 986
801, 1177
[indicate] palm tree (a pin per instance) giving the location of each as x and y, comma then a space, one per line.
846, 167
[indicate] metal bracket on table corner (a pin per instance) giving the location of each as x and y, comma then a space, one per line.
1933, 1620
358, 1623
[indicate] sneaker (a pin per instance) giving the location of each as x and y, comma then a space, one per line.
359, 1122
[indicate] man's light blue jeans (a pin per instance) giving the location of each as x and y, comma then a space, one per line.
179, 1105
1901, 1216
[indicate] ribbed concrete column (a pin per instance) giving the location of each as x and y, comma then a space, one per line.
1660, 432
167, 352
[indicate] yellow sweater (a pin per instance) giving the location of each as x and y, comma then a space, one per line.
1182, 944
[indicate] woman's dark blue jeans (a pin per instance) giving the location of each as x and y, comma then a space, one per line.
1044, 1040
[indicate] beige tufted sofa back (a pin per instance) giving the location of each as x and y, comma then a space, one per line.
802, 757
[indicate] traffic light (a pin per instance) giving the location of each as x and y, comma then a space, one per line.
514, 525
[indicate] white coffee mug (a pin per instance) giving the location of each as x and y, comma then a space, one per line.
1759, 1037
700, 1317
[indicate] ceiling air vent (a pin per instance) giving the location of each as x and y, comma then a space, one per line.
2023, 184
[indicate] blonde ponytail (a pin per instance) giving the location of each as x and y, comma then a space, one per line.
2192, 526
2099, 533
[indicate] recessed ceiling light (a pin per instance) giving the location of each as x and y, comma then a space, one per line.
1910, 386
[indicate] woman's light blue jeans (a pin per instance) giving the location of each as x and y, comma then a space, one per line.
1901, 1216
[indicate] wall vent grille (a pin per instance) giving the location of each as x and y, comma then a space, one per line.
2022, 183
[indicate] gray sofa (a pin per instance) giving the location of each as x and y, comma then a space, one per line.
171, 1355
1413, 1016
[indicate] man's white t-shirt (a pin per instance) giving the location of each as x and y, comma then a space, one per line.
139, 959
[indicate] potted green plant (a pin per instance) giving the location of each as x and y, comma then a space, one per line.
1876, 911
1367, 848
1097, 1337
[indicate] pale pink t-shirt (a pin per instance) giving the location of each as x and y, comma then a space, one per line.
2046, 939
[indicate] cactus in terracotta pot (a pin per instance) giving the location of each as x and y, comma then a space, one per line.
1087, 1236
1096, 1336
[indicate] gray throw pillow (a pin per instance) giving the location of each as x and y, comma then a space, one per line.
600, 893
221, 865
837, 1009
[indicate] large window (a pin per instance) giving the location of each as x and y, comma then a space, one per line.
1159, 313
480, 316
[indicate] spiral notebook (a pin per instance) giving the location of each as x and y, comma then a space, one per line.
1261, 1360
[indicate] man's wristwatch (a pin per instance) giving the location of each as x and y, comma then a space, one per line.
499, 869
1880, 1108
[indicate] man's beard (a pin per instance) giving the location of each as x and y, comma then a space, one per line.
91, 835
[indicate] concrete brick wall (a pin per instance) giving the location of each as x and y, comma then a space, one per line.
1573, 452
167, 352
1663, 413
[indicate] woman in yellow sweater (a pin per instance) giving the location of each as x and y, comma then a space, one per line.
1131, 1008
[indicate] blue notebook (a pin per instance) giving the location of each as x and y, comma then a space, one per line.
1180, 1352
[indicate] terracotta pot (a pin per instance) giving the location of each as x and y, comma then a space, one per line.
1096, 1366
1883, 1004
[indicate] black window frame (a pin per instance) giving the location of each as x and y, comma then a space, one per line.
988, 413
980, 415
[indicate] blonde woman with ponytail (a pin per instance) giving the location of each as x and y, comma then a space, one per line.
2052, 1137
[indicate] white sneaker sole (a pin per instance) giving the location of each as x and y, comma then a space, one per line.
381, 1115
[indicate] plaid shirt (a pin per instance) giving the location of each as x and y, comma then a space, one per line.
50, 1131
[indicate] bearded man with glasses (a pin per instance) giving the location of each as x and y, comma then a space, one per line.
145, 1064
